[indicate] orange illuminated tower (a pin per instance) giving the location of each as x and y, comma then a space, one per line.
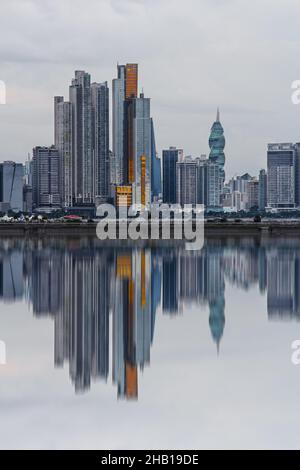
131, 86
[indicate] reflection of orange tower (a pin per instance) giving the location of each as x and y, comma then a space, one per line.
125, 272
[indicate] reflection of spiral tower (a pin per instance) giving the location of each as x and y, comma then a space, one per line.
217, 145
217, 319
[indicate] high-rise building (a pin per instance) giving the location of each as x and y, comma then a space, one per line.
253, 193
27, 198
186, 182
28, 171
82, 139
170, 158
141, 139
217, 145
281, 176
208, 183
262, 191
155, 167
100, 139
11, 186
132, 135
63, 143
82, 148
46, 178
131, 90
118, 118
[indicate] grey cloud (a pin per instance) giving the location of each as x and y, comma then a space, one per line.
193, 55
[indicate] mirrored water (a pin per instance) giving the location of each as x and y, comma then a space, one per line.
149, 347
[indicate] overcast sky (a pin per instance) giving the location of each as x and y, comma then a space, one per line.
194, 55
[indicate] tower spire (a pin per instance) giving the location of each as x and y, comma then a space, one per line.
218, 115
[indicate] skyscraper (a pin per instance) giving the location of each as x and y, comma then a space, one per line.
170, 158
281, 176
11, 186
82, 151
253, 193
186, 182
46, 177
63, 143
208, 183
141, 139
217, 144
131, 81
131, 136
100, 139
262, 190
118, 87
155, 167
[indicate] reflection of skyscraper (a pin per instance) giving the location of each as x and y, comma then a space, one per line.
11, 276
155, 288
77, 282
217, 318
46, 283
132, 329
283, 277
82, 325
170, 283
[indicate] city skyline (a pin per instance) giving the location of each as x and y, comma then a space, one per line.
256, 107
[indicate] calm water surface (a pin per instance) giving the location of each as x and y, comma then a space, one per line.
149, 347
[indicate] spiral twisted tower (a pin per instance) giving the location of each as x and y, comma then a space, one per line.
217, 144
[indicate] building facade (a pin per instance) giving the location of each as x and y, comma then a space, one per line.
132, 135
46, 177
170, 158
11, 186
217, 145
63, 143
187, 182
262, 191
82, 152
281, 176
100, 140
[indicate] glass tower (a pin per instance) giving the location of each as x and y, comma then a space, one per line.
217, 144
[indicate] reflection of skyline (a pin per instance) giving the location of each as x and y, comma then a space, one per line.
100, 296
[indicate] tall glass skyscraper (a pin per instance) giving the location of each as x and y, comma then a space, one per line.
155, 167
11, 186
63, 143
170, 158
131, 137
100, 139
281, 175
217, 145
